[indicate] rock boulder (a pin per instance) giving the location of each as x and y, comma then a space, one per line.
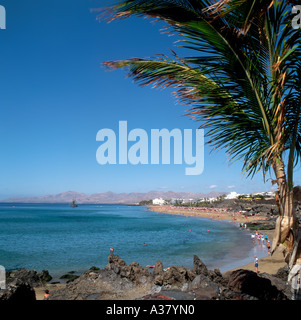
248, 282
18, 290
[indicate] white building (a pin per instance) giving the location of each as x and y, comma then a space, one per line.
232, 195
159, 201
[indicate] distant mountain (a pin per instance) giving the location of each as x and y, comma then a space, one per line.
111, 197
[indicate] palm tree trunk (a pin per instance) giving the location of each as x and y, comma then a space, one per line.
286, 234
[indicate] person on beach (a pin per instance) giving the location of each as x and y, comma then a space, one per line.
262, 239
256, 264
269, 247
46, 295
258, 238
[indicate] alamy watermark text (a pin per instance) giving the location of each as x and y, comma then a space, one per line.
138, 153
296, 22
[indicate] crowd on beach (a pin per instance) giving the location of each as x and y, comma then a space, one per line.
261, 240
212, 213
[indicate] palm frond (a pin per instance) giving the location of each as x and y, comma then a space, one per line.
242, 82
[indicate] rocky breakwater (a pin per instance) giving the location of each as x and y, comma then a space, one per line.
119, 281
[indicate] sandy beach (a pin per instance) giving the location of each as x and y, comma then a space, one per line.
210, 213
40, 291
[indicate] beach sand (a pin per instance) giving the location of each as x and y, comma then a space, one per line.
40, 291
211, 213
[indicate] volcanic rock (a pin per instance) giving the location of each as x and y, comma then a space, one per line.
18, 290
248, 282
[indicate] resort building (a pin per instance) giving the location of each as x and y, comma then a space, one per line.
159, 201
232, 195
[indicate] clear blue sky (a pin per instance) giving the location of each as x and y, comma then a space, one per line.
55, 96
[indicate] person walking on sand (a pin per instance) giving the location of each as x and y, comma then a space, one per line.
269, 247
256, 264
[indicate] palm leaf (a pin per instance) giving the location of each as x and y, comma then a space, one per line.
240, 83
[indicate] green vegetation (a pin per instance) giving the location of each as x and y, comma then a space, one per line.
146, 203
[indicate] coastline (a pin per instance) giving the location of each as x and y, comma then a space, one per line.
267, 264
210, 213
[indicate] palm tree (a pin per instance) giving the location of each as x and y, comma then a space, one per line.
242, 82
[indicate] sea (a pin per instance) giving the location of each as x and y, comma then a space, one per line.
61, 239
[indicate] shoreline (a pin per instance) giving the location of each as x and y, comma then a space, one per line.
268, 264
204, 212
238, 255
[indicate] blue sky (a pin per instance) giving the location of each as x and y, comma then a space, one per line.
55, 97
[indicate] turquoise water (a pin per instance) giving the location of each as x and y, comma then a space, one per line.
59, 238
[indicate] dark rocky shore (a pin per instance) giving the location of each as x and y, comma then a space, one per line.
119, 281
256, 208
